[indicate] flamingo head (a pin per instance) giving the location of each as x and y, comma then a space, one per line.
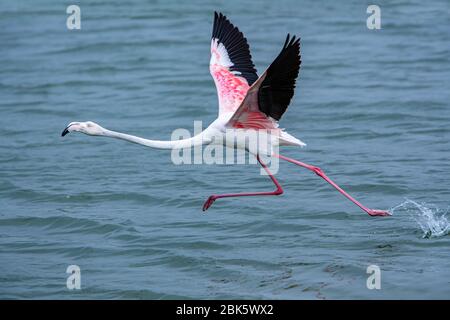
88, 127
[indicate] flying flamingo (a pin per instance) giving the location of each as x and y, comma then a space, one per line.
246, 101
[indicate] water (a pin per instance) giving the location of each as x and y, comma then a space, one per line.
371, 105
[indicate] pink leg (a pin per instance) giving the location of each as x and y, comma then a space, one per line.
277, 192
320, 173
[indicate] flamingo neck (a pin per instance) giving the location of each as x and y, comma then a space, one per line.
158, 144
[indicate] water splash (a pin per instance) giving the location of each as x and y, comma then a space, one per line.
431, 219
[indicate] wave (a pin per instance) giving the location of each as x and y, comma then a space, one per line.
431, 219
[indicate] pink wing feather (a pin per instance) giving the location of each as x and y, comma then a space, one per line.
231, 66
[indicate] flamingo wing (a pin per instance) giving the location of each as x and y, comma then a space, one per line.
231, 64
269, 97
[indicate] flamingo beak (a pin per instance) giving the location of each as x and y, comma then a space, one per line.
65, 131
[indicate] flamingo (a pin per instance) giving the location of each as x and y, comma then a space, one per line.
246, 101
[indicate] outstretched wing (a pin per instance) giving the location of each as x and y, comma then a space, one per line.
231, 64
269, 97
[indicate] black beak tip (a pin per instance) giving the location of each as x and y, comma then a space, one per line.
65, 131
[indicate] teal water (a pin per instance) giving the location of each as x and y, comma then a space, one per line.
372, 105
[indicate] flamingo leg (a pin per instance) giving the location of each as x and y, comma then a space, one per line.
320, 173
277, 192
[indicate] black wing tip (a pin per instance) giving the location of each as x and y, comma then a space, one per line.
291, 42
220, 22
277, 89
220, 15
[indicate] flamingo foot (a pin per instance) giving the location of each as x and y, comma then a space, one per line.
208, 203
380, 213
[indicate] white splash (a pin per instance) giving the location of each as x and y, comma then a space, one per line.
431, 219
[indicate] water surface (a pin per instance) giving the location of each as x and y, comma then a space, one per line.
372, 105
